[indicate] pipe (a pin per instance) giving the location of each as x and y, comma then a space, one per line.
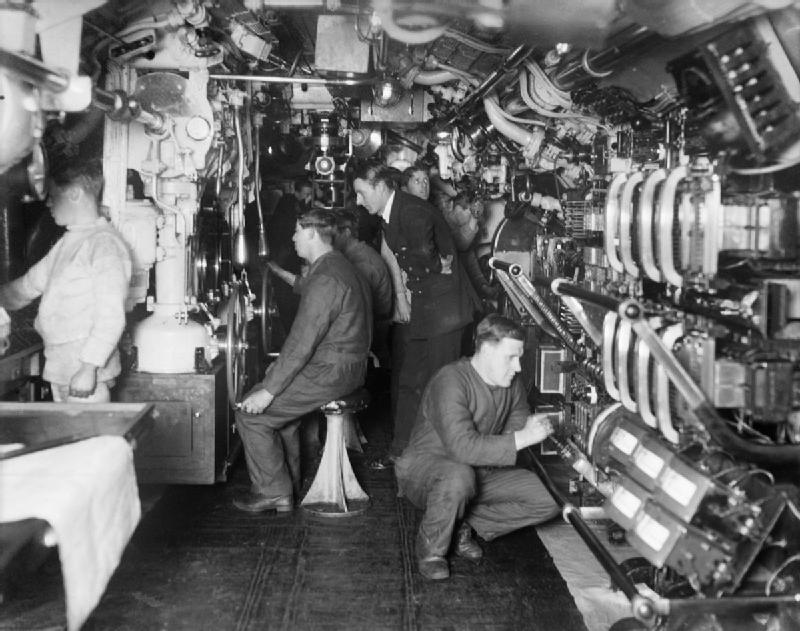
519, 300
298, 80
239, 248
739, 605
434, 77
588, 66
510, 130
517, 56
552, 318
513, 269
563, 287
33, 71
263, 248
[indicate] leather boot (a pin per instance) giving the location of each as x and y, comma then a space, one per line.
466, 546
432, 566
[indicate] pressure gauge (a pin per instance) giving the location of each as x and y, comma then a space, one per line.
198, 128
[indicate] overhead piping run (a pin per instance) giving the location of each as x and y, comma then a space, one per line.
299, 80
517, 56
597, 65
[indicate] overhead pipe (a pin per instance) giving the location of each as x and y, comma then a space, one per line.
297, 80
514, 59
597, 65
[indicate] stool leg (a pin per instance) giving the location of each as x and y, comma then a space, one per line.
335, 482
353, 436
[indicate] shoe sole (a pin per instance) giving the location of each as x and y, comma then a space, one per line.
437, 577
277, 509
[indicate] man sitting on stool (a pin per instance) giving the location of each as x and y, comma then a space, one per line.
324, 357
459, 464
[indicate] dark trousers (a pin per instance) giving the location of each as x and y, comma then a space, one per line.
271, 439
494, 501
414, 361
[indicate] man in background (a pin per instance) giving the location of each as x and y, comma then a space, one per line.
428, 333
280, 229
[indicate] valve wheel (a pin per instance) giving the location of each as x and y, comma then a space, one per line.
236, 344
264, 312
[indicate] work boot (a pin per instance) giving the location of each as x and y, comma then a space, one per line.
466, 546
432, 566
258, 503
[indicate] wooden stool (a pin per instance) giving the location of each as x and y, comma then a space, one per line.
335, 490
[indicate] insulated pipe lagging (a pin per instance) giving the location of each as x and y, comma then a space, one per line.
434, 77
510, 130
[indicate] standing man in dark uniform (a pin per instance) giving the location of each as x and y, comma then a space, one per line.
324, 357
280, 228
440, 305
459, 465
366, 260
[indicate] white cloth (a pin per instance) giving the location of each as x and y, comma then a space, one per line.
87, 492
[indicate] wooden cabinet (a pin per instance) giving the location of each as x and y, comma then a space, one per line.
191, 440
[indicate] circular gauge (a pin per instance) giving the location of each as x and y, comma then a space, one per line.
198, 128
324, 165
